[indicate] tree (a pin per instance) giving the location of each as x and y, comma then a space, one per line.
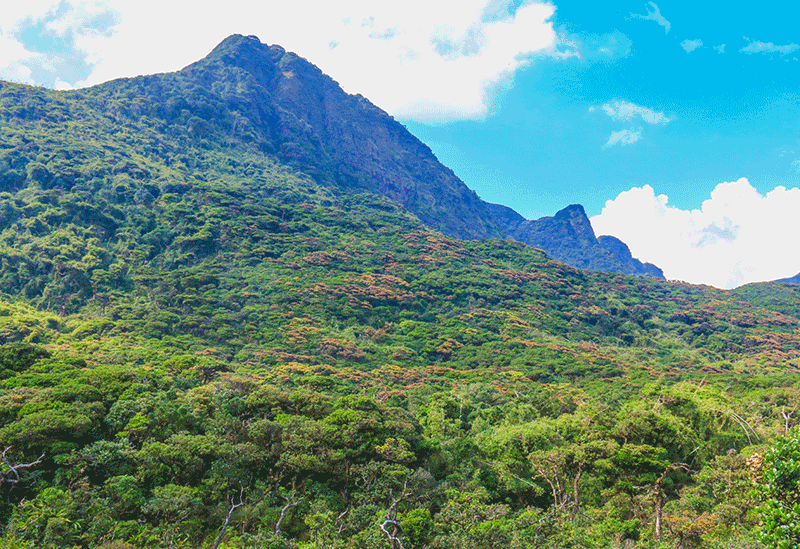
234, 505
779, 488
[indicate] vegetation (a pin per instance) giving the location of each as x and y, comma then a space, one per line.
205, 343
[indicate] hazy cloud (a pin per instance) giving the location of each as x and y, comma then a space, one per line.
589, 47
737, 236
624, 137
654, 15
691, 45
767, 47
720, 48
625, 110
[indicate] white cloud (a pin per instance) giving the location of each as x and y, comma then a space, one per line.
76, 15
14, 60
12, 51
737, 236
625, 110
691, 45
61, 85
654, 15
767, 47
24, 74
44, 20
589, 47
624, 137
439, 66
720, 48
14, 13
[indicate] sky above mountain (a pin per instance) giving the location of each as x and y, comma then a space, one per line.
674, 123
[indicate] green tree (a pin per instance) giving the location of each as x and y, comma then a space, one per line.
780, 492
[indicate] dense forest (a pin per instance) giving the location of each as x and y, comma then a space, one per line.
208, 342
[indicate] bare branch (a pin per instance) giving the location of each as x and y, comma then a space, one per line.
339, 520
786, 418
394, 542
391, 518
744, 425
285, 509
14, 469
228, 518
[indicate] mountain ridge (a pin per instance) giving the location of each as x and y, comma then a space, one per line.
292, 108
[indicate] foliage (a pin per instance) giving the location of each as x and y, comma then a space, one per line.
780, 493
197, 309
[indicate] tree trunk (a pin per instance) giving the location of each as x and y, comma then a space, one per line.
576, 506
659, 508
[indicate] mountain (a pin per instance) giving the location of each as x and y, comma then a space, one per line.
282, 104
791, 280
568, 236
207, 319
631, 264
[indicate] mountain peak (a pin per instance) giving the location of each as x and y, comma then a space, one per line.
343, 140
239, 43
572, 209
575, 215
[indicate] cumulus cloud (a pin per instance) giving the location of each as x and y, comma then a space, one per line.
24, 74
720, 48
654, 15
691, 45
737, 236
624, 137
442, 66
767, 47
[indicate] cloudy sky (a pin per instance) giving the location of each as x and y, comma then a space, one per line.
675, 123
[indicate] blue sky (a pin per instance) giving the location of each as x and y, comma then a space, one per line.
674, 123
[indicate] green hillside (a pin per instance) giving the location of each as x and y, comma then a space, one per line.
201, 314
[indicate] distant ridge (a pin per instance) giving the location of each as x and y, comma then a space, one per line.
791, 280
569, 237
